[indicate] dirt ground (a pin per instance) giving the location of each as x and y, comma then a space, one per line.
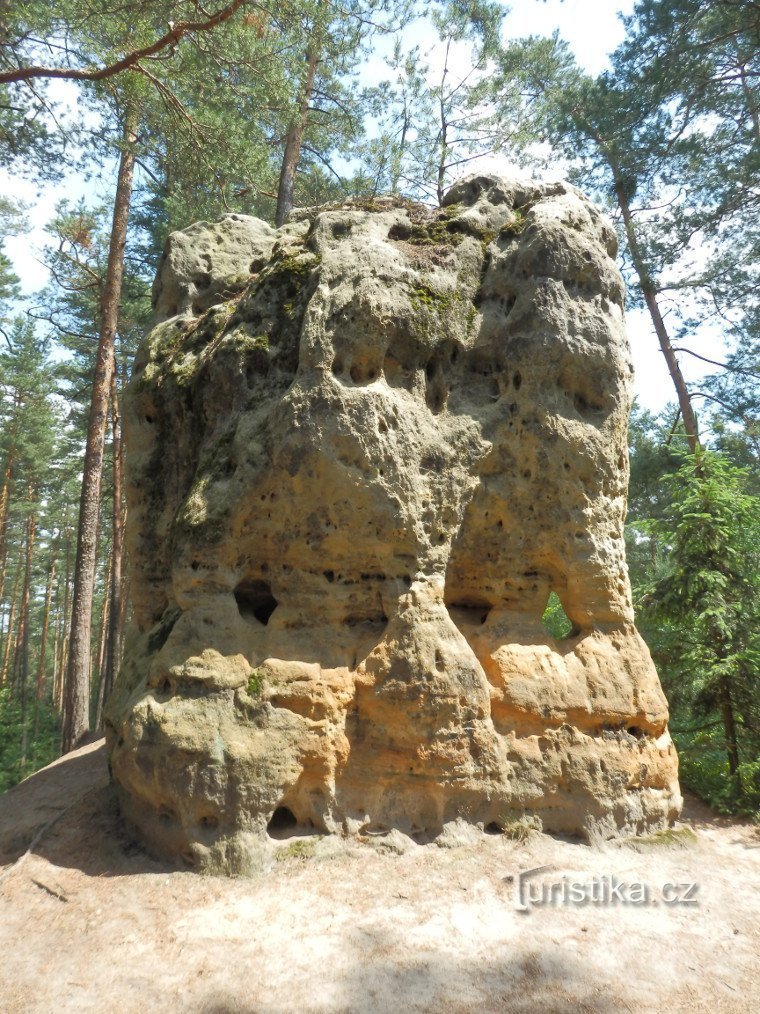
88, 922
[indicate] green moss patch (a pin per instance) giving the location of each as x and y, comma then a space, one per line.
256, 682
300, 851
515, 226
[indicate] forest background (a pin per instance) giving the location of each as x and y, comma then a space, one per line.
121, 120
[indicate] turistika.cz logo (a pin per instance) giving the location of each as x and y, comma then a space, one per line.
535, 889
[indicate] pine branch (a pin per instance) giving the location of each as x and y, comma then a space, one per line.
169, 40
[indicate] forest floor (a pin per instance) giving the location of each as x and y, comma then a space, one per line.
89, 922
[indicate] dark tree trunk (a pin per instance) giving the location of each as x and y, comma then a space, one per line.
22, 641
40, 688
44, 634
103, 640
441, 182
10, 637
729, 732
61, 631
293, 141
5, 498
444, 134
76, 705
116, 613
106, 606
650, 297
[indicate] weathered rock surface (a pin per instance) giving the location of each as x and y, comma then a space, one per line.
352, 488
207, 262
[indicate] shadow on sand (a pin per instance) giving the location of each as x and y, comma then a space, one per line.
67, 813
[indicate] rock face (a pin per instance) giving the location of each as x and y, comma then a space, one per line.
354, 481
206, 263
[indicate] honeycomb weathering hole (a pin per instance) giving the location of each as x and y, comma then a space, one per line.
255, 600
474, 609
281, 822
284, 824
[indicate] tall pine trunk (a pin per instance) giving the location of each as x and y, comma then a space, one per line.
293, 141
104, 617
5, 499
10, 637
443, 148
41, 667
76, 705
105, 626
115, 613
650, 298
40, 689
61, 630
22, 641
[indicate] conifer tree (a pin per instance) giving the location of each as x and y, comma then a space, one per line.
708, 596
27, 446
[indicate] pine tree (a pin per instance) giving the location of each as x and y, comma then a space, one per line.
707, 596
701, 61
669, 136
28, 443
435, 121
9, 283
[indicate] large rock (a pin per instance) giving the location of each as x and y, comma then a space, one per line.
352, 489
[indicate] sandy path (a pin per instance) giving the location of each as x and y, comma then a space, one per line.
89, 923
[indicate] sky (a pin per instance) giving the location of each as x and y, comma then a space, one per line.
591, 27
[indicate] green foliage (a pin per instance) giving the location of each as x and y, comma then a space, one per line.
44, 737
11, 221
555, 619
701, 61
29, 449
432, 125
298, 850
701, 611
255, 683
671, 135
28, 413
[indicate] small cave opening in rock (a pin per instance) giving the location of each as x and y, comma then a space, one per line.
376, 617
472, 610
282, 822
255, 600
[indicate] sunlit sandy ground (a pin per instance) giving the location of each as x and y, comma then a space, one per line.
89, 922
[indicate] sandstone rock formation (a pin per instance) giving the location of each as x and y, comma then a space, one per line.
354, 481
